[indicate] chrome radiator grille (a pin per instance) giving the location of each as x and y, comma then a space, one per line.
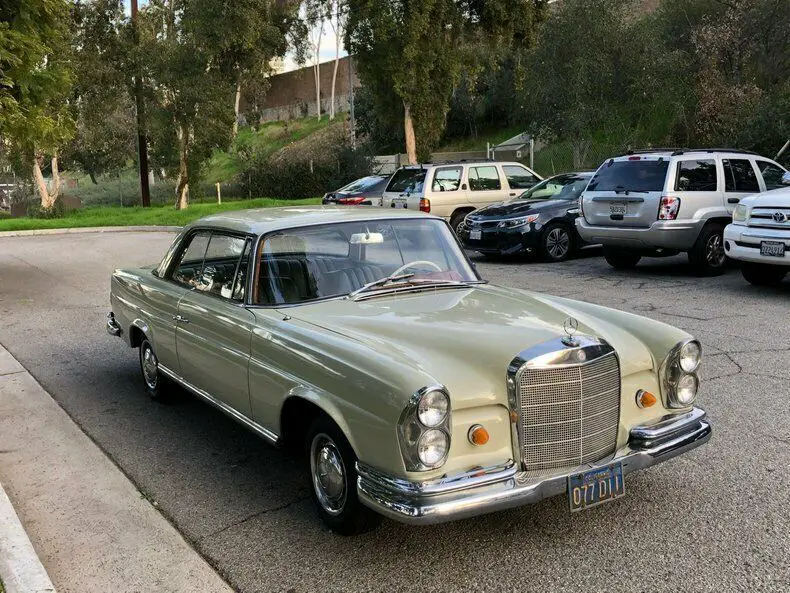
569, 415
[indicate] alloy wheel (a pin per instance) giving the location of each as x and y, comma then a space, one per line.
558, 243
714, 251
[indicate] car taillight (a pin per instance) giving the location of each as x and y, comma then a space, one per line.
425, 205
351, 201
668, 208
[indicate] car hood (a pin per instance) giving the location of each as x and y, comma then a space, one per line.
776, 198
522, 208
466, 338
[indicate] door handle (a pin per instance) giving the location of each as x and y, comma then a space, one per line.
512, 193
733, 200
180, 319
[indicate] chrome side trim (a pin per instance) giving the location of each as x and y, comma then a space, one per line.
237, 416
485, 490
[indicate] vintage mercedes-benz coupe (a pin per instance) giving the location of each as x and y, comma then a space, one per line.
417, 390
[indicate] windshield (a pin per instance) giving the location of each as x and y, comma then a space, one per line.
641, 175
305, 264
361, 184
407, 180
560, 187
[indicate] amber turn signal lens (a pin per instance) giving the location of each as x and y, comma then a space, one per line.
513, 416
478, 435
645, 399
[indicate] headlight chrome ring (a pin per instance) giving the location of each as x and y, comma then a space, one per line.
424, 429
678, 374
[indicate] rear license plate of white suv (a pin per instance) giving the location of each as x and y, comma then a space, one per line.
617, 208
772, 248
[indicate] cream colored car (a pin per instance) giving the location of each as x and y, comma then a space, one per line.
453, 190
417, 390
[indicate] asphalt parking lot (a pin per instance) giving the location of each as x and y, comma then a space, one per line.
715, 519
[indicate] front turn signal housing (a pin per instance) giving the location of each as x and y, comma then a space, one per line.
478, 435
645, 399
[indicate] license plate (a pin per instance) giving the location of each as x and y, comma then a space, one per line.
772, 248
595, 487
399, 203
617, 208
475, 235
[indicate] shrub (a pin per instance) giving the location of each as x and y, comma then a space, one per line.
36, 210
321, 162
4, 214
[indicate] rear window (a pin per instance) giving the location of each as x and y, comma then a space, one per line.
639, 175
407, 180
362, 184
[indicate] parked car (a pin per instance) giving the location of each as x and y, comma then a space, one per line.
362, 192
453, 190
665, 202
759, 235
541, 219
418, 391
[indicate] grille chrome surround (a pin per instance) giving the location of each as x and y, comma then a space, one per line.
568, 404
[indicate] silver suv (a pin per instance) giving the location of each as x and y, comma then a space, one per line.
664, 202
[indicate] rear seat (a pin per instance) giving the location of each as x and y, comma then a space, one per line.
294, 279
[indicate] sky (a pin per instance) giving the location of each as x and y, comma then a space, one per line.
326, 54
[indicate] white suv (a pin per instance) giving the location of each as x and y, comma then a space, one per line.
664, 202
759, 236
453, 190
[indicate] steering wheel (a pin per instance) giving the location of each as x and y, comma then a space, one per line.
417, 262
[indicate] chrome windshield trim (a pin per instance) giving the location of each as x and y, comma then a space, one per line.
223, 407
408, 287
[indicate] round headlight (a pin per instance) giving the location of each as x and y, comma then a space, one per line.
432, 409
432, 447
690, 357
687, 389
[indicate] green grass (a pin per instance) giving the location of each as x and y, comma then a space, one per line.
266, 140
479, 143
138, 216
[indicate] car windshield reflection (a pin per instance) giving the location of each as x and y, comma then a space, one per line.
335, 260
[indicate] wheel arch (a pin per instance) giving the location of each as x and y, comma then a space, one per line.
298, 412
138, 330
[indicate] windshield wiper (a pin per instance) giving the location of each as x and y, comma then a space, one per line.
620, 188
379, 282
410, 281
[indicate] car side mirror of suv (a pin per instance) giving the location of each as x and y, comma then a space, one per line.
786, 178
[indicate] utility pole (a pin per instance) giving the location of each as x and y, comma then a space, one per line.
142, 140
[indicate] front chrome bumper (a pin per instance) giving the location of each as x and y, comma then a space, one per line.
485, 490
112, 326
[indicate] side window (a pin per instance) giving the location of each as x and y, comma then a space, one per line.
696, 176
190, 260
519, 177
739, 176
772, 175
484, 179
446, 179
220, 264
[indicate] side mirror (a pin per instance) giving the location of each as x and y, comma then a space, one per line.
463, 186
786, 178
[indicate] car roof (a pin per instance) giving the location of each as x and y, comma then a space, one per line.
480, 161
257, 221
684, 152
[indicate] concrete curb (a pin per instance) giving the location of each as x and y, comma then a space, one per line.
21, 570
91, 229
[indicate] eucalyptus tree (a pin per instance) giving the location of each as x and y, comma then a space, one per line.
35, 80
417, 50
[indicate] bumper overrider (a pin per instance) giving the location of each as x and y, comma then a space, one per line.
485, 490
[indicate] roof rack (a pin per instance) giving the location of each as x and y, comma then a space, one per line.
679, 151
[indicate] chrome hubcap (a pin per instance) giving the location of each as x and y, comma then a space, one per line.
558, 242
714, 253
150, 368
329, 474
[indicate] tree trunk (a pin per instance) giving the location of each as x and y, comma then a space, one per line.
408, 129
182, 186
317, 71
236, 106
55, 193
40, 182
337, 62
